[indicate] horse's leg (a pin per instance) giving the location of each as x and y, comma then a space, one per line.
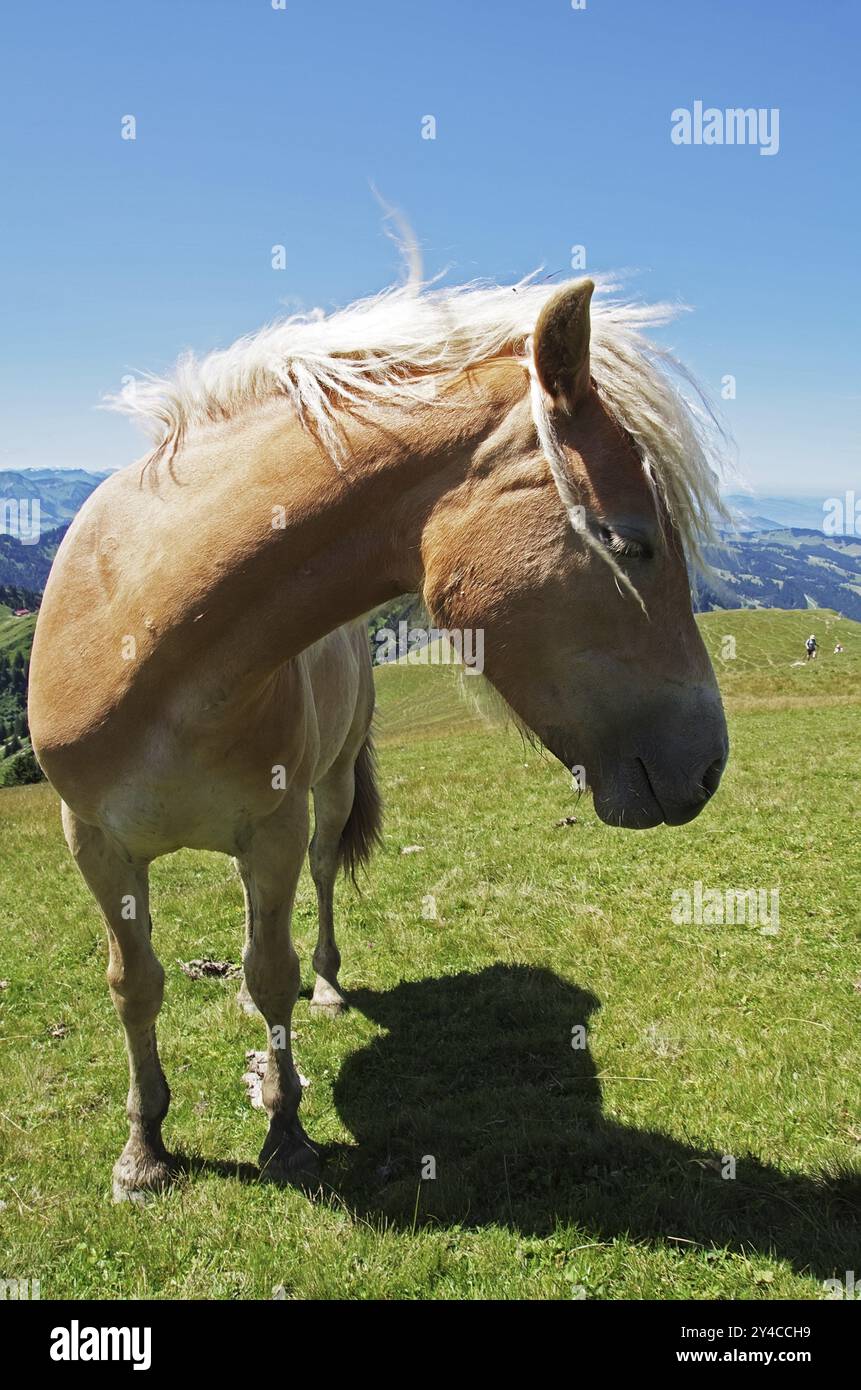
243, 997
136, 981
270, 869
333, 801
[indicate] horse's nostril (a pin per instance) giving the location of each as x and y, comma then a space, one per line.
712, 776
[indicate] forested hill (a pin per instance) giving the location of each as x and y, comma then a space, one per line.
27, 565
793, 568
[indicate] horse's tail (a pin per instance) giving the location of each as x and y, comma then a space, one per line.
363, 830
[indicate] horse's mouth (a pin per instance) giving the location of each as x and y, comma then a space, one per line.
632, 801
628, 800
625, 799
653, 798
630, 795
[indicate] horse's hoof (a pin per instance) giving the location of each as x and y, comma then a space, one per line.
326, 1002
245, 1002
296, 1166
138, 1196
327, 1008
138, 1177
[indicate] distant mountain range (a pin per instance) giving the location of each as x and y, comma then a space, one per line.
60, 493
776, 513
790, 568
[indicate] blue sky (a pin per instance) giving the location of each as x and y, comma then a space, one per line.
258, 126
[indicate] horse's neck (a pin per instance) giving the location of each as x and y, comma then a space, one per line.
334, 543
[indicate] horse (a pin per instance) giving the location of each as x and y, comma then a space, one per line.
526, 459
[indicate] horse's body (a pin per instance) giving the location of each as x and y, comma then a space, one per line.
186, 690
188, 752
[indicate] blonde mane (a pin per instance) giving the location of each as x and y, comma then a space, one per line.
403, 345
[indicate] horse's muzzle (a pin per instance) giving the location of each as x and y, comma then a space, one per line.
639, 795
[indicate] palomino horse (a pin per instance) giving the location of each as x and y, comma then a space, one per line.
527, 464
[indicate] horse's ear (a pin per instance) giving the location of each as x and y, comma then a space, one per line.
560, 344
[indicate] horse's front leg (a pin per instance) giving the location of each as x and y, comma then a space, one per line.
136, 980
270, 870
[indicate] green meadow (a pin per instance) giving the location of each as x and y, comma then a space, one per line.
545, 1086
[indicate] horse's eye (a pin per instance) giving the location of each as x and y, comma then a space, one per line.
626, 547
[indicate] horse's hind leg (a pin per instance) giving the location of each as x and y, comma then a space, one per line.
136, 981
333, 801
243, 997
270, 869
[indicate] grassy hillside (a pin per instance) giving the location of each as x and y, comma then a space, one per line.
791, 569
16, 634
766, 664
703, 1142
16, 639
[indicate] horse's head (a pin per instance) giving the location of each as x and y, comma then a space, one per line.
585, 601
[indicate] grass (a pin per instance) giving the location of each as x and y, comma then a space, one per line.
472, 965
16, 634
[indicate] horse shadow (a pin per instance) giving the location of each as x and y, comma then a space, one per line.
476, 1085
